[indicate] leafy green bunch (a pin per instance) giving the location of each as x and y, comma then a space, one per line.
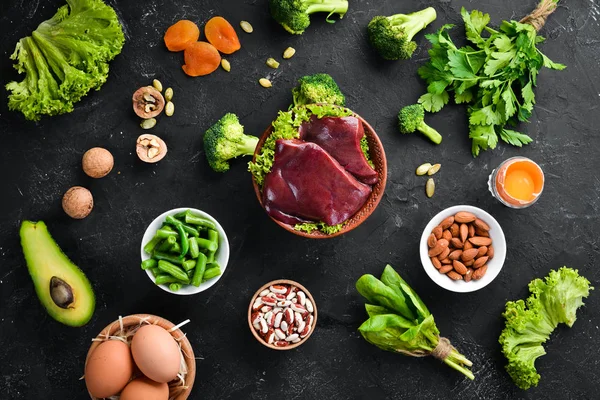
400, 322
529, 323
494, 76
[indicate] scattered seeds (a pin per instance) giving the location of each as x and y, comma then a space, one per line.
168, 94
225, 65
246, 27
289, 53
271, 62
430, 187
264, 82
434, 168
169, 108
157, 85
423, 168
148, 123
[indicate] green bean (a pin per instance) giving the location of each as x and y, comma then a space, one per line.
155, 271
152, 243
163, 233
176, 249
213, 236
188, 264
213, 270
210, 256
175, 286
181, 214
149, 263
190, 273
185, 246
207, 244
193, 247
173, 270
175, 223
167, 244
159, 255
193, 219
164, 279
199, 271
167, 227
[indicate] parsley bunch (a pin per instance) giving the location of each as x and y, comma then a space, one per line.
494, 76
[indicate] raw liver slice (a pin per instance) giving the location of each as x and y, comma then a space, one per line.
307, 184
340, 137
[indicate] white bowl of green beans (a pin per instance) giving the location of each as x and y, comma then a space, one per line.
184, 251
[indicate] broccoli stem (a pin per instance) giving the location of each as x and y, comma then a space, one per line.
248, 146
431, 133
331, 6
415, 22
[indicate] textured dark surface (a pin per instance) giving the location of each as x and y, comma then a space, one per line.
42, 359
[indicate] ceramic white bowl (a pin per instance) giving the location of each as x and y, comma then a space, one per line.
221, 256
494, 266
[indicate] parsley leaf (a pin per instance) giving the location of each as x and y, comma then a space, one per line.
434, 102
515, 138
474, 24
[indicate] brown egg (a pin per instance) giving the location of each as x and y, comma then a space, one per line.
145, 389
108, 369
156, 353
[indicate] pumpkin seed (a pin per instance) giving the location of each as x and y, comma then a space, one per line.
423, 168
169, 108
289, 53
225, 65
246, 27
148, 123
264, 82
430, 187
157, 85
168, 94
271, 62
434, 168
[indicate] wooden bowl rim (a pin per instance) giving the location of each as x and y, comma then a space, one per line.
374, 197
286, 282
163, 323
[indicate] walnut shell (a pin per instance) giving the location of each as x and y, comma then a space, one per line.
148, 102
97, 162
147, 150
78, 202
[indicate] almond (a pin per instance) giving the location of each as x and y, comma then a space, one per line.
454, 230
479, 273
469, 263
438, 248
480, 241
455, 255
464, 217
447, 223
468, 275
446, 261
479, 224
447, 235
437, 232
456, 243
481, 251
444, 254
464, 232
445, 269
459, 267
468, 255
471, 230
467, 246
480, 262
490, 252
431, 241
436, 262
454, 276
481, 232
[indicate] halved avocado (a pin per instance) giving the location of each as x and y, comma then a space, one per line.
63, 289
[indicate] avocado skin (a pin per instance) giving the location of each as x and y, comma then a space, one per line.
44, 260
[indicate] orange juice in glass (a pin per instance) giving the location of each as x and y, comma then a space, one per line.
517, 182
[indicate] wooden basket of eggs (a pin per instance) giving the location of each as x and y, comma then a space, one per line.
140, 356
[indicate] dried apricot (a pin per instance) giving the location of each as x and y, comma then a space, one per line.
201, 58
221, 34
181, 35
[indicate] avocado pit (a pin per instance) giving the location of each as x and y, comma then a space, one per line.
61, 292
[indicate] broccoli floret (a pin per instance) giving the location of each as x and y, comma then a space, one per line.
294, 15
392, 36
226, 140
411, 118
318, 88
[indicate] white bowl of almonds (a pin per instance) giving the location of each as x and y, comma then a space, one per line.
282, 314
462, 248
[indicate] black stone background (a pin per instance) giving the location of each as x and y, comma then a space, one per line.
42, 359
